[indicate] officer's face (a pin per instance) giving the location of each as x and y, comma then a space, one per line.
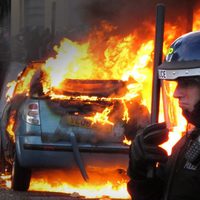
188, 94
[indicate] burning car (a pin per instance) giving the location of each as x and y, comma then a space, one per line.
81, 123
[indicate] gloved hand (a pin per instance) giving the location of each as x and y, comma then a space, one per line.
145, 152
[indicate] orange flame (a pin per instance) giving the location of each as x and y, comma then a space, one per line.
126, 141
196, 22
98, 186
11, 87
10, 125
120, 61
23, 83
127, 58
101, 117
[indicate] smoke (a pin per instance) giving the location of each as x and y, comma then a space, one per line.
130, 14
124, 14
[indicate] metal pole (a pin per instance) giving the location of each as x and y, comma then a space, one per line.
160, 14
189, 13
158, 48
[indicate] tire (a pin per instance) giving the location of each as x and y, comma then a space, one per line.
20, 176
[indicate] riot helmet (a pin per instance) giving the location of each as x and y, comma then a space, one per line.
183, 58
182, 63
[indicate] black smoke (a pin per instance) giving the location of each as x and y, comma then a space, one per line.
130, 14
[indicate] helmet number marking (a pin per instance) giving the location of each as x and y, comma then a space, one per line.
162, 74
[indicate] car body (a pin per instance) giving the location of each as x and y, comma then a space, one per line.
58, 133
46, 129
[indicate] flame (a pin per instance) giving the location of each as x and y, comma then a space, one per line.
119, 63
117, 57
11, 87
101, 117
126, 116
11, 124
118, 60
23, 83
112, 185
126, 141
7, 179
196, 14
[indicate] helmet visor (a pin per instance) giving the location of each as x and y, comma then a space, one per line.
172, 113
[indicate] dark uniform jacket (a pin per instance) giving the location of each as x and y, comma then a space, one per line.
178, 179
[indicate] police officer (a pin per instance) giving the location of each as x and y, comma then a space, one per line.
176, 177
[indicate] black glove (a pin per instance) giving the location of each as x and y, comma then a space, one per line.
145, 152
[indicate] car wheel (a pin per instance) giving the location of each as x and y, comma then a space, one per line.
20, 176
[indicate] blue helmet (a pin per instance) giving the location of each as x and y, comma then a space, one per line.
183, 58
